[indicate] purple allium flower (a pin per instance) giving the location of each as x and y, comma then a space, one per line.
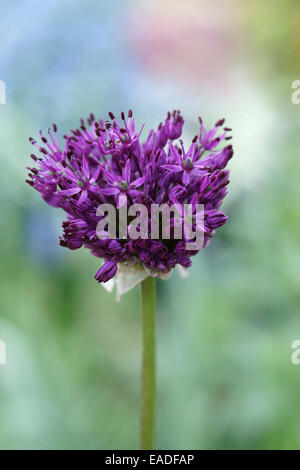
104, 159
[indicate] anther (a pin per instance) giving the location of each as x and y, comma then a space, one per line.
220, 123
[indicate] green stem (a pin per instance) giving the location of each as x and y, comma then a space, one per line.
148, 370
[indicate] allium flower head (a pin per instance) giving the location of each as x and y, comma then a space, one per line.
103, 160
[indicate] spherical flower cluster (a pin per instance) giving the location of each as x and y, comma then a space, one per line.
105, 159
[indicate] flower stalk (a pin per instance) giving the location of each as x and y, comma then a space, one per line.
148, 290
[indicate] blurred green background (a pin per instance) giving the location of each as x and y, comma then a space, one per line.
225, 376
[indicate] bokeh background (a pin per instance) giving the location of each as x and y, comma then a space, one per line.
225, 377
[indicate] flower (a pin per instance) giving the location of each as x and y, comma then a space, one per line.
106, 272
102, 160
